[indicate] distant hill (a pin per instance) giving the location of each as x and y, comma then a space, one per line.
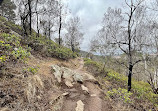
94, 57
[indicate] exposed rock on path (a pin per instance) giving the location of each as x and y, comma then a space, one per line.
82, 93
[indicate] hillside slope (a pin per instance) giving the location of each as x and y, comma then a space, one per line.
36, 74
28, 80
42, 92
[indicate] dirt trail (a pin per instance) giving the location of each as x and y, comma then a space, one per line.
92, 101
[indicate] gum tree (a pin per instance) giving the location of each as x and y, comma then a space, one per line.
74, 34
122, 32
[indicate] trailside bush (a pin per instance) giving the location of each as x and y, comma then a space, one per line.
49, 48
20, 54
96, 67
64, 53
42, 44
32, 70
141, 90
3, 19
120, 94
11, 49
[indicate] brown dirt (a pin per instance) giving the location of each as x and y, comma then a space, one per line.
93, 101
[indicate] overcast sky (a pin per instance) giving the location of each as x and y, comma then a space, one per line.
91, 13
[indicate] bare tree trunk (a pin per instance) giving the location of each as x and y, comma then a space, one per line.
24, 26
37, 26
49, 31
72, 46
130, 77
155, 79
60, 25
30, 16
37, 20
130, 64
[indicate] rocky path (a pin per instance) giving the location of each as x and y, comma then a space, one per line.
86, 96
79, 88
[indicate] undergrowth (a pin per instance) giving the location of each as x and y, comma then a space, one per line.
95, 67
32, 70
120, 94
141, 90
49, 48
41, 44
11, 49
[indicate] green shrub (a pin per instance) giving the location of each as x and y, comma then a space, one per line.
20, 54
120, 94
11, 49
144, 92
96, 67
14, 27
114, 76
42, 44
32, 70
11, 39
93, 63
3, 58
141, 90
7, 25
2, 19
50, 48
64, 53
4, 28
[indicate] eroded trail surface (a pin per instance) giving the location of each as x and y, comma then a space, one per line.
85, 96
78, 89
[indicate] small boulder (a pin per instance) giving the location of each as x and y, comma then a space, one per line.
84, 88
80, 106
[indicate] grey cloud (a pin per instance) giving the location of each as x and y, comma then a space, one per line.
91, 13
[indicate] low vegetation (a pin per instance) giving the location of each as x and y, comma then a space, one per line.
96, 67
120, 94
32, 70
11, 49
7, 26
49, 48
20, 80
40, 44
141, 92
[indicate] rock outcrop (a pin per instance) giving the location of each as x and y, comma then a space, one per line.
69, 76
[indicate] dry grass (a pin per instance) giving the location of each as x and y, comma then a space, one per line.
31, 92
34, 87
